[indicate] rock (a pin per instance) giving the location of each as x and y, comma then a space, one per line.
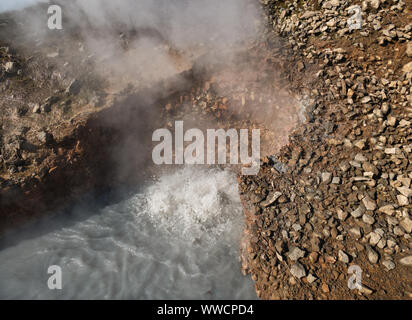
45, 137
355, 232
271, 198
296, 227
358, 212
360, 144
313, 257
407, 67
404, 123
331, 23
406, 261
389, 264
390, 150
374, 238
405, 191
311, 278
402, 200
343, 257
373, 256
297, 270
365, 290
409, 49
342, 215
326, 177
336, 180
36, 108
334, 3
325, 288
398, 231
308, 14
375, 4
300, 66
10, 67
388, 209
368, 219
295, 253
369, 204
406, 224
366, 99
360, 157
74, 87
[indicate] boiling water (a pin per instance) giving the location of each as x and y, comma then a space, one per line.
178, 238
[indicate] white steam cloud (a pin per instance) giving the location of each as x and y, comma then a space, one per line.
7, 5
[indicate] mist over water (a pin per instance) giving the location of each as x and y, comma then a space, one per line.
178, 238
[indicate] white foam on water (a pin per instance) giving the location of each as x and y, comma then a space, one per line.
176, 239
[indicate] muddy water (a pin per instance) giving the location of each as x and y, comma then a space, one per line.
177, 238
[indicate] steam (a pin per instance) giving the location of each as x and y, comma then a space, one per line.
7, 5
163, 37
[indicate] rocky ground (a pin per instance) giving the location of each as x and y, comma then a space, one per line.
339, 193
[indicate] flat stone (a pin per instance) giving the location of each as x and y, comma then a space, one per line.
373, 256
297, 270
343, 257
369, 203
390, 150
402, 200
336, 180
366, 99
407, 67
271, 198
360, 157
360, 144
389, 264
358, 212
297, 227
342, 215
36, 108
311, 278
355, 232
326, 177
325, 288
368, 219
10, 67
406, 224
409, 49
374, 238
375, 4
405, 191
388, 209
295, 253
406, 261
365, 290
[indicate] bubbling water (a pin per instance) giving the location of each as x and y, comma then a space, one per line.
177, 238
